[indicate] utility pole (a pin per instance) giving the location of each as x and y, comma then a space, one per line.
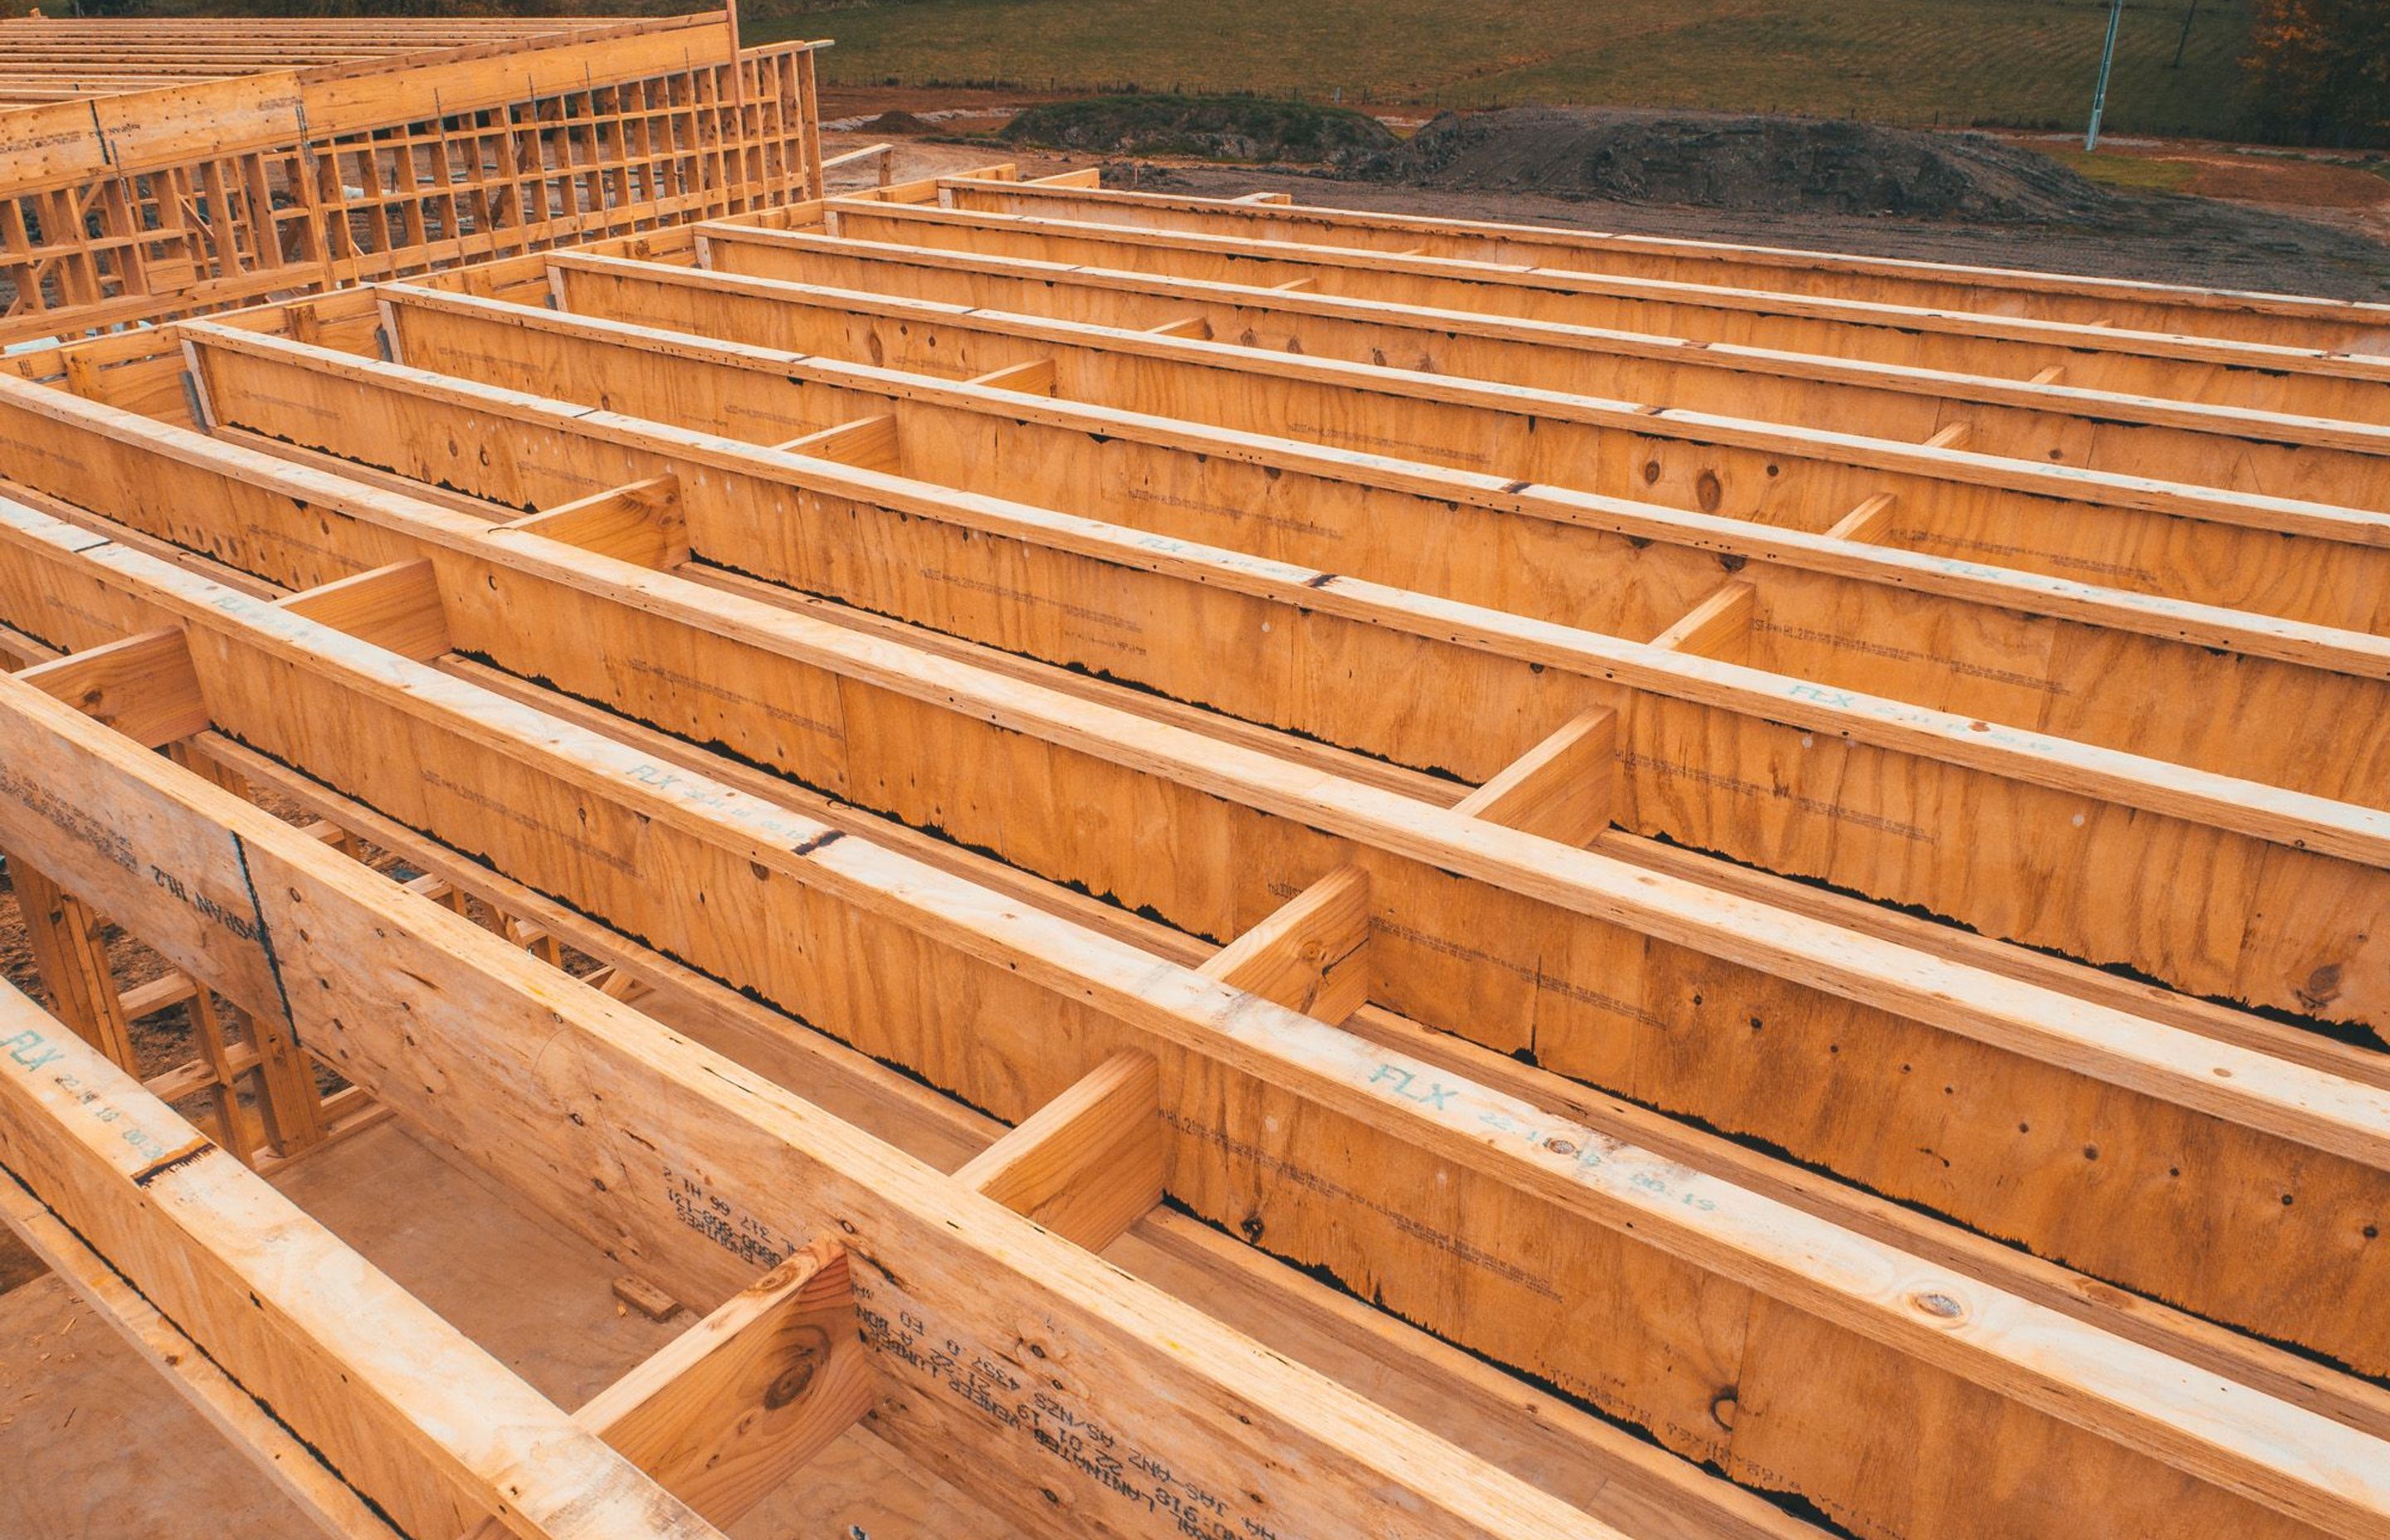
2107, 61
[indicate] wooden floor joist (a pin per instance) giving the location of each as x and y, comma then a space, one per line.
2279, 319
245, 651
1826, 922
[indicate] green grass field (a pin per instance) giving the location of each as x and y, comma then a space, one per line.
2027, 63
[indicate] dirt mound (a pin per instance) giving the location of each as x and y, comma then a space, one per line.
1755, 164
896, 120
1211, 128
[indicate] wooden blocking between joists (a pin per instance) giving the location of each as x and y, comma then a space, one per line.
1562, 789
397, 608
639, 522
867, 442
1311, 954
1087, 1164
1717, 627
1034, 377
727, 1411
1864, 521
144, 686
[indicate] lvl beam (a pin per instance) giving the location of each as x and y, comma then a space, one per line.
1853, 829
2249, 376
667, 1152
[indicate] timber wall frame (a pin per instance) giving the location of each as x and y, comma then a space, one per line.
143, 198
1469, 880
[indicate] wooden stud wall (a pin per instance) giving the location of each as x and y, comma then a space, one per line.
177, 201
1245, 695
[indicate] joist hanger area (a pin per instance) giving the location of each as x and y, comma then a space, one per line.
1241, 871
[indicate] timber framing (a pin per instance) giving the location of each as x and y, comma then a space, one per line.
1179, 854
157, 169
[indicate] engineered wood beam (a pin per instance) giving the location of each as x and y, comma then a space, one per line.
1497, 657
1087, 1164
430, 1428
2217, 445
1622, 1479
297, 1472
2039, 526
1964, 501
2288, 320
743, 1028
2257, 375
1418, 971
453, 1029
1429, 1103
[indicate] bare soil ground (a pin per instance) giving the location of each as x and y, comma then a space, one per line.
2231, 216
